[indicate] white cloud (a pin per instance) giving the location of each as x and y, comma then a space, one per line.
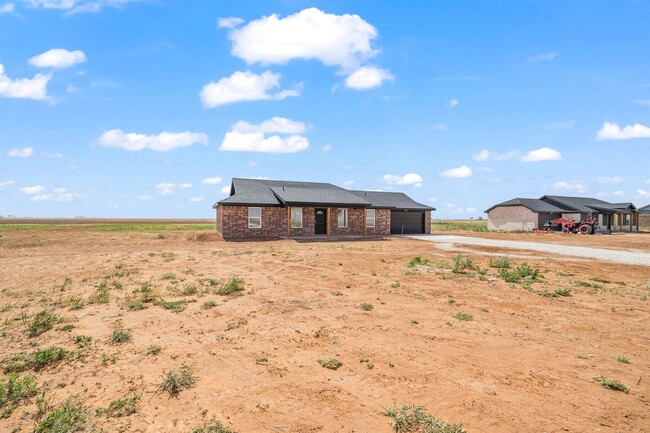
64, 196
619, 194
211, 180
229, 23
243, 86
247, 137
458, 172
162, 142
144, 197
71, 89
166, 188
78, 6
311, 34
25, 152
196, 199
368, 77
24, 88
439, 127
612, 131
571, 185
225, 190
58, 58
453, 103
542, 154
542, 57
642, 193
185, 185
6, 183
610, 180
7, 8
32, 189
486, 155
408, 179
327, 148
348, 182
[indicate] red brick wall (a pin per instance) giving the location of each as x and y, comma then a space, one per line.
427, 222
382, 223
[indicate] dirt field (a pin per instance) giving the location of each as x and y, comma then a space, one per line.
521, 357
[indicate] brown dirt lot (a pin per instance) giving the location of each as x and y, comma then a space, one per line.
525, 363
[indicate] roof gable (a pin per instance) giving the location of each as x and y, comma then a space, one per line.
396, 200
534, 204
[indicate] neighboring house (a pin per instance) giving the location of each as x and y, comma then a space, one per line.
526, 214
644, 218
274, 208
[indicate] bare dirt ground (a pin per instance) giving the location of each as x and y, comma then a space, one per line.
524, 363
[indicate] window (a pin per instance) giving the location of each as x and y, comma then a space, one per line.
343, 218
296, 217
254, 217
370, 218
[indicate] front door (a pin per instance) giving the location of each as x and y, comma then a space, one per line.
321, 222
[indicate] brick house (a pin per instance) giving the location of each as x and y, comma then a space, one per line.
644, 218
527, 214
258, 208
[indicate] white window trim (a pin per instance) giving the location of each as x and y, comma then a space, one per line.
345, 222
253, 226
374, 216
291, 216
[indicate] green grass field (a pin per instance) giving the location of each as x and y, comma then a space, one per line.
459, 226
110, 227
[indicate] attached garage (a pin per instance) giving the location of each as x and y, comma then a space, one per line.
407, 222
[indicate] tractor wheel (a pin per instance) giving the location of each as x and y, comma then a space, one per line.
566, 230
586, 229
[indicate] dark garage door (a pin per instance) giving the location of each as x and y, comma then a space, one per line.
406, 222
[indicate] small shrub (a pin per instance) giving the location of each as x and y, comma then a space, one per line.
461, 264
336, 293
232, 286
586, 284
611, 384
623, 359
464, 316
366, 307
117, 285
414, 419
600, 280
208, 304
522, 272
215, 427
120, 336
562, 292
101, 295
169, 276
14, 390
83, 340
106, 359
160, 236
174, 306
331, 363
66, 328
189, 290
76, 302
176, 381
154, 349
500, 263
71, 417
36, 360
41, 322
119, 408
417, 260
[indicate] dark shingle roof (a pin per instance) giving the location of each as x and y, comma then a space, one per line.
645, 210
396, 200
534, 204
586, 204
264, 192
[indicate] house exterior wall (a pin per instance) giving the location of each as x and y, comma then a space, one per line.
644, 223
512, 218
232, 223
427, 222
542, 218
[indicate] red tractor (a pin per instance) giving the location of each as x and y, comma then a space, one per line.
571, 226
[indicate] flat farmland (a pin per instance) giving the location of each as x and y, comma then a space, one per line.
168, 330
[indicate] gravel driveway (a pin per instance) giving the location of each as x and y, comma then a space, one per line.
616, 256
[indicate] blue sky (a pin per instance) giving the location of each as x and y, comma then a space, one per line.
127, 108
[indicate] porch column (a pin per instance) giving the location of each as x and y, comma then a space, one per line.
364, 222
327, 219
288, 222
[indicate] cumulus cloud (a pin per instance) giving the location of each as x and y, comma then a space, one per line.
247, 137
7, 8
458, 172
229, 23
486, 155
453, 103
196, 199
25, 152
642, 193
541, 57
162, 142
32, 189
244, 86
408, 179
368, 77
348, 182
24, 88
6, 183
58, 58
166, 188
571, 185
185, 185
610, 180
542, 154
612, 131
55, 155
619, 194
211, 180
225, 190
78, 6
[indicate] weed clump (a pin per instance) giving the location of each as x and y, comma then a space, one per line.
174, 306
232, 286
120, 407
464, 317
154, 349
41, 322
366, 307
622, 359
36, 360
414, 419
14, 390
331, 363
521, 272
215, 427
70, 417
611, 384
101, 295
461, 264
120, 336
500, 263
208, 304
417, 260
83, 340
176, 381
